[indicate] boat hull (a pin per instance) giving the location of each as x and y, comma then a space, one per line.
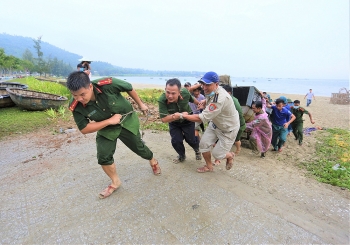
34, 100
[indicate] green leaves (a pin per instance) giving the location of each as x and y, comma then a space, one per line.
333, 148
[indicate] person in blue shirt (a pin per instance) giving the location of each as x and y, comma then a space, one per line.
287, 104
281, 119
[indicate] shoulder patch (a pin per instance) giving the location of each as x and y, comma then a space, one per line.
212, 107
73, 105
104, 81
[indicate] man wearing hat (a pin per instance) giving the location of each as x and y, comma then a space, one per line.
172, 104
84, 66
288, 104
219, 111
297, 124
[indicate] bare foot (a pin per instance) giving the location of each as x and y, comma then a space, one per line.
229, 161
216, 163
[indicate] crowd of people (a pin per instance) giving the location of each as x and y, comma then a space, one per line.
98, 106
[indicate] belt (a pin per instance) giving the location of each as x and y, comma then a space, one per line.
216, 127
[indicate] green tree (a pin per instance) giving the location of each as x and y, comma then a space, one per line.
27, 55
40, 65
11, 63
2, 60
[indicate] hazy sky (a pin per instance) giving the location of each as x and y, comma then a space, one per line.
243, 38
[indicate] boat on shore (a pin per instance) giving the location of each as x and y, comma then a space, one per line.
5, 99
34, 100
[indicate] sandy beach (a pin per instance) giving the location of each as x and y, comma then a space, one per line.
51, 183
324, 113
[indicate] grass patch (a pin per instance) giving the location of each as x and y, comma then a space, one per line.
333, 148
149, 96
156, 126
14, 120
44, 86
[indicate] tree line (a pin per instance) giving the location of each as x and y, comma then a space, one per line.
10, 65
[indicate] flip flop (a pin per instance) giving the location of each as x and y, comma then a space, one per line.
156, 169
229, 161
106, 192
204, 169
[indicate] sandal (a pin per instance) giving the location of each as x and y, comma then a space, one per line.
204, 169
229, 161
156, 169
198, 155
107, 192
179, 159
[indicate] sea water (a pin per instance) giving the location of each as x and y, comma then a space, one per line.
320, 87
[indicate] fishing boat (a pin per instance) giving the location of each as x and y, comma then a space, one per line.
5, 99
34, 100
12, 85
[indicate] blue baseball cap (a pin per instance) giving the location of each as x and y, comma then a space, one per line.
284, 99
209, 78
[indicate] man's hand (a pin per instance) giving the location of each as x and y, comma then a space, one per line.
115, 119
286, 125
143, 108
312, 121
201, 105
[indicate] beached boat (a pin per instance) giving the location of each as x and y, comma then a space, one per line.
34, 100
12, 85
5, 99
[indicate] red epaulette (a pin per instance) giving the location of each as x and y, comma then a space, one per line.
104, 81
73, 105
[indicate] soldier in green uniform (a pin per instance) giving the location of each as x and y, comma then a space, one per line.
297, 124
98, 106
175, 100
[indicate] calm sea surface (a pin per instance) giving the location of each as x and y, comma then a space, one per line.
320, 87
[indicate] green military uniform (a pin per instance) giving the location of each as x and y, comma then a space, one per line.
181, 105
110, 101
297, 124
241, 118
180, 129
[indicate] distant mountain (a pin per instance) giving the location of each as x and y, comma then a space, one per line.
16, 45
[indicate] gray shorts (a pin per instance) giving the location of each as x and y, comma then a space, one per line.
224, 144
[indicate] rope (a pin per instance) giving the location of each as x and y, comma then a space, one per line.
124, 115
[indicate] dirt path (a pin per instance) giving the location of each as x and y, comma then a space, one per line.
50, 185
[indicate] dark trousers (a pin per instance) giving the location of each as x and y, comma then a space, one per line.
298, 130
179, 132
